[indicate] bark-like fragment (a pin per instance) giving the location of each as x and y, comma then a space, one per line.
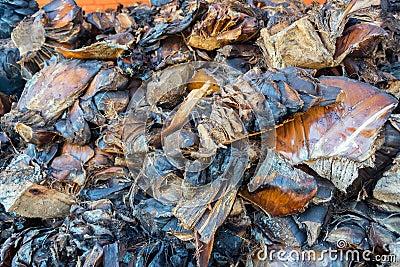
41, 202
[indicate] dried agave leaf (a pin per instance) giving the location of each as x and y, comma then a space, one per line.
297, 45
330, 21
224, 23
356, 104
109, 21
173, 51
103, 21
179, 118
82, 153
68, 170
29, 35
387, 188
380, 237
200, 78
99, 51
353, 235
327, 137
359, 40
63, 21
384, 155
167, 86
289, 90
16, 178
203, 251
110, 140
95, 256
284, 189
74, 127
240, 56
110, 173
340, 171
111, 103
108, 79
201, 207
56, 24
280, 13
283, 230
56, 87
367, 11
36, 136
312, 220
192, 208
61, 13
179, 17
315, 41
41, 202
213, 218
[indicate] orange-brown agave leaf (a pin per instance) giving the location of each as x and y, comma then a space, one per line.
336, 141
285, 191
99, 51
359, 40
55, 88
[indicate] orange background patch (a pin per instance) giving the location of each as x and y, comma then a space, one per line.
94, 5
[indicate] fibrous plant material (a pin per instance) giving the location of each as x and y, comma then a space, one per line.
198, 132
54, 89
337, 140
318, 40
286, 189
387, 186
224, 23
12, 12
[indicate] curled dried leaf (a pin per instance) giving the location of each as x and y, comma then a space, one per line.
168, 86
29, 35
63, 22
200, 78
110, 21
348, 130
99, 51
82, 153
284, 190
224, 23
290, 90
74, 127
317, 40
359, 40
37, 136
108, 79
68, 170
56, 87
